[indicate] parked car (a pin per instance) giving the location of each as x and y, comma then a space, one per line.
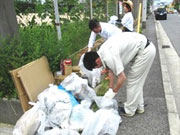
161, 14
175, 11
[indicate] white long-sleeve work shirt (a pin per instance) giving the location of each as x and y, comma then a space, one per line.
128, 21
119, 50
107, 31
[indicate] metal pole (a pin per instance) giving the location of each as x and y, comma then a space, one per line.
144, 13
139, 18
120, 9
107, 11
91, 10
57, 22
116, 7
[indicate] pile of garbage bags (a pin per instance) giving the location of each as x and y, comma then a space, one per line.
66, 110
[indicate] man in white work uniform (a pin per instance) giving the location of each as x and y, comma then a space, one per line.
105, 30
115, 54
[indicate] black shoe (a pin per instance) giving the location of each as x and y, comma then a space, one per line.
122, 112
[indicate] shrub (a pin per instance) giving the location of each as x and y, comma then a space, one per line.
34, 42
22, 6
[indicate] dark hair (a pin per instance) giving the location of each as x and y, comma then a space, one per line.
128, 7
93, 24
89, 60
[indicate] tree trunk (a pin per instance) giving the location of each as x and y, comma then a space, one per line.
8, 21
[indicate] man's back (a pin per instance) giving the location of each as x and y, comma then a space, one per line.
122, 48
107, 31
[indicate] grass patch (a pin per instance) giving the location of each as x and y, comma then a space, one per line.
103, 88
101, 91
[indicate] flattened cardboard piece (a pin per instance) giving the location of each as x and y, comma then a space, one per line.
97, 44
36, 77
75, 69
59, 79
23, 97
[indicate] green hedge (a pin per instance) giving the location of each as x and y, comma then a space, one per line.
22, 6
34, 42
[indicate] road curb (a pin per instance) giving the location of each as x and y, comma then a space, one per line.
6, 129
173, 117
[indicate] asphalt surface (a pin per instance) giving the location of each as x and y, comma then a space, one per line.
172, 28
155, 120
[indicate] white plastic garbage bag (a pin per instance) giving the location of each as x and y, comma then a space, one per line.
86, 93
86, 103
58, 131
104, 122
80, 116
78, 86
106, 103
94, 76
29, 122
74, 83
56, 105
113, 20
74, 102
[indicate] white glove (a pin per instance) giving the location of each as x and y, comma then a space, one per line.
110, 94
64, 125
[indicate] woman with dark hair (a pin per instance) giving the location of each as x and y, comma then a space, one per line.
127, 21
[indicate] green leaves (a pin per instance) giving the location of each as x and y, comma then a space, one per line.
36, 41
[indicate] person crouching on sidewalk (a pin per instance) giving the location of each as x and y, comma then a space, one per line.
115, 54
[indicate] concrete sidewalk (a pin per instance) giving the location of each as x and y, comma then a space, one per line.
155, 119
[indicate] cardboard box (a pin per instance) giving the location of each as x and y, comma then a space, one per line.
59, 78
66, 67
32, 79
76, 69
23, 97
67, 70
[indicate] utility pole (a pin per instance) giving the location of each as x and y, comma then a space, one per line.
91, 10
107, 10
144, 13
117, 7
120, 9
57, 22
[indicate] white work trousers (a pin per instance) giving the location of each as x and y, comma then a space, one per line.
136, 78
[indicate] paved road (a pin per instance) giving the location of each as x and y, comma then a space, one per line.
172, 28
